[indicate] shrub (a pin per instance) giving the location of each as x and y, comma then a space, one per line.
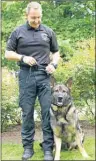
82, 68
10, 112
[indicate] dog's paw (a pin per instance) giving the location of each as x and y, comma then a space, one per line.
86, 156
57, 158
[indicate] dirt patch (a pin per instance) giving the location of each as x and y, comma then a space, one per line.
88, 129
13, 135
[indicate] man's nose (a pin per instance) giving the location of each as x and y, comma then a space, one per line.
36, 20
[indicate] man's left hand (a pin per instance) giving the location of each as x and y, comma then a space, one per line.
50, 69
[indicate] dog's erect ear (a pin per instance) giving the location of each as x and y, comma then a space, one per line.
52, 81
69, 82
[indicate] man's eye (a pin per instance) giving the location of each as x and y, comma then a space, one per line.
35, 17
32, 17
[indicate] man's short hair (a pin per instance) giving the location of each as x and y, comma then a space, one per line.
34, 5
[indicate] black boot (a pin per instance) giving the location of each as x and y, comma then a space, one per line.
28, 153
48, 155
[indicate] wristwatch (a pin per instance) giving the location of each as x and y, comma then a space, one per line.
54, 65
22, 58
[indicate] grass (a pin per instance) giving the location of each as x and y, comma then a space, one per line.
14, 151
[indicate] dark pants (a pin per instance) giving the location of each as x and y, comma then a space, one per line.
32, 83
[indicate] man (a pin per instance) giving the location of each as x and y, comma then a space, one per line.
30, 45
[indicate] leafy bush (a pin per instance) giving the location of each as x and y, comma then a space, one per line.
66, 49
10, 112
82, 68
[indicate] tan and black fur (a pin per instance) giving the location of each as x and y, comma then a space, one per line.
64, 120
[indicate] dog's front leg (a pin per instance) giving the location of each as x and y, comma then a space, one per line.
80, 145
58, 142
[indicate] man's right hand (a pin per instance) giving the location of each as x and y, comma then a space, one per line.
29, 60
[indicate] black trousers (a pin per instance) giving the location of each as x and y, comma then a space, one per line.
34, 82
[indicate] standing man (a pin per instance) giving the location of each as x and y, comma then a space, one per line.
30, 45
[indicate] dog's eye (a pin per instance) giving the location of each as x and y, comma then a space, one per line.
64, 91
56, 90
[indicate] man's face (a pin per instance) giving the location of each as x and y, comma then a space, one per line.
34, 17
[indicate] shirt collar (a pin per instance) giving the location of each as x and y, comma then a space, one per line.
40, 28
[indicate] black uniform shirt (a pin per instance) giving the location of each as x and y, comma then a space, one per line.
37, 43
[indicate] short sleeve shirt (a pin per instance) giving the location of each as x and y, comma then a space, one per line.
37, 43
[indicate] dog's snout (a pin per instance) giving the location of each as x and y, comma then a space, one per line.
60, 98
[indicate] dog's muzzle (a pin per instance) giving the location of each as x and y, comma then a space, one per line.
61, 99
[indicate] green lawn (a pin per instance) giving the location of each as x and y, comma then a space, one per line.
14, 151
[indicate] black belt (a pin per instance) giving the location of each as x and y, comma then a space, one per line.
34, 67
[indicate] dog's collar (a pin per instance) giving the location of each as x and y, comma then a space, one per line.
55, 107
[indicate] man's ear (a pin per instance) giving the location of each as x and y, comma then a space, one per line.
52, 81
69, 82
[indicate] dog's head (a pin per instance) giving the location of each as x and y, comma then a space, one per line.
61, 93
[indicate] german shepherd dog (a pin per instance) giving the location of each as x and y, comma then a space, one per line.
64, 120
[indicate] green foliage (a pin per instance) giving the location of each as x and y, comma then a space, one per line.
10, 111
66, 49
12, 16
82, 68
72, 21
